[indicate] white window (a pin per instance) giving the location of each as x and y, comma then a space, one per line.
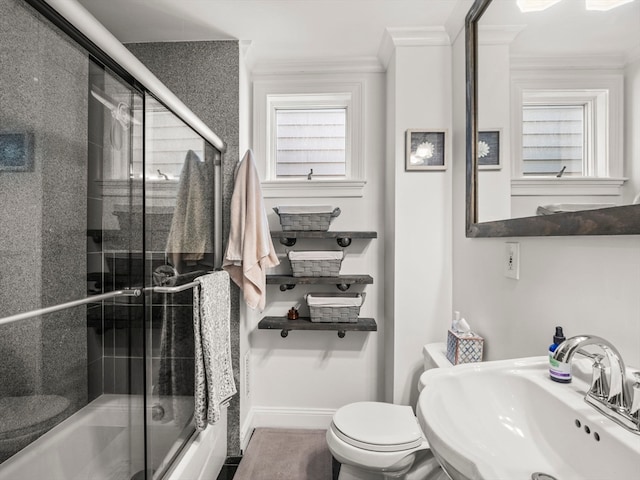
564, 132
567, 134
307, 138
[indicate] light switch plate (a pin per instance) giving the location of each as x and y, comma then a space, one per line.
512, 260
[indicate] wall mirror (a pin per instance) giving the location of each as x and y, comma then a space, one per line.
553, 111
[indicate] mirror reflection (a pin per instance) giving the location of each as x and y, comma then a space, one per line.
558, 105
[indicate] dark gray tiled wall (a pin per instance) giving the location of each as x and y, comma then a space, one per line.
205, 76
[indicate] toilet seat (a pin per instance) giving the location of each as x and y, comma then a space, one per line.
378, 427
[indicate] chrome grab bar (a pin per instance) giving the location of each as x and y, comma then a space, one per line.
133, 292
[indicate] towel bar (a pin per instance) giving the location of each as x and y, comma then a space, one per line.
177, 289
134, 292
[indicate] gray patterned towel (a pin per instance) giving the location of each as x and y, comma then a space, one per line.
214, 384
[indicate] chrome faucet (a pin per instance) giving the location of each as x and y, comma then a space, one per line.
613, 398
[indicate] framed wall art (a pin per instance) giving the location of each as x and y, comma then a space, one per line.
489, 149
15, 152
425, 150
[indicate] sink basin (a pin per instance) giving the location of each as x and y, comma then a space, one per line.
506, 420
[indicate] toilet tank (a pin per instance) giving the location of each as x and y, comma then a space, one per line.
434, 356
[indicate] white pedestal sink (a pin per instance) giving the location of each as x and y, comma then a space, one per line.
506, 420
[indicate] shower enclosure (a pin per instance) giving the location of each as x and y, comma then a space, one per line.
97, 181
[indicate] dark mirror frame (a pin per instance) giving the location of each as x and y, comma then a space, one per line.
624, 220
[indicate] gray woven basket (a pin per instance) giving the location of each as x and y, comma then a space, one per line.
346, 314
306, 221
316, 268
334, 314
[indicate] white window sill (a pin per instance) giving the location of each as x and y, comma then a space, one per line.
313, 188
542, 186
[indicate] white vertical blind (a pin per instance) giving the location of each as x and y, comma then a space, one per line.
553, 138
309, 139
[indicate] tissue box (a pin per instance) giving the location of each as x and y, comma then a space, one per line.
464, 349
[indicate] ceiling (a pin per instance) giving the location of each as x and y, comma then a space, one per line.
310, 31
568, 28
279, 30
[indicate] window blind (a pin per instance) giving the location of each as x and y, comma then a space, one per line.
553, 138
309, 139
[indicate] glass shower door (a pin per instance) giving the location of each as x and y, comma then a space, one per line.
179, 175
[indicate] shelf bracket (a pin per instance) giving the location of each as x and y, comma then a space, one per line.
343, 241
343, 287
289, 286
285, 333
288, 241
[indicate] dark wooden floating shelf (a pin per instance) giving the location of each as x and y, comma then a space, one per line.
285, 325
289, 237
343, 282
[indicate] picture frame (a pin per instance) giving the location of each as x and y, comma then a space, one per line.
489, 155
425, 150
15, 152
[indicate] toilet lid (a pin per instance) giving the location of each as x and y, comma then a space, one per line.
381, 427
27, 414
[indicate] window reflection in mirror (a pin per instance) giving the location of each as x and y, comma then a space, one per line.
562, 85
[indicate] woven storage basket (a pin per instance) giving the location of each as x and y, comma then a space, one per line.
335, 313
319, 267
312, 221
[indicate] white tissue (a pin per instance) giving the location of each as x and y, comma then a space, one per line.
460, 326
463, 326
455, 320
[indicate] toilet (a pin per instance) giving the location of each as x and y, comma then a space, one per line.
380, 441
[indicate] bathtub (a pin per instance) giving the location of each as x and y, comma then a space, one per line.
105, 441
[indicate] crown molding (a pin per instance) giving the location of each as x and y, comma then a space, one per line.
498, 34
318, 65
410, 37
613, 63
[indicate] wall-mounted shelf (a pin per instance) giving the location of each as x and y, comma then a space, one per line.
343, 282
289, 238
285, 325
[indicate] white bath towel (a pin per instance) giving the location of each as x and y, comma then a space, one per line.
250, 250
214, 383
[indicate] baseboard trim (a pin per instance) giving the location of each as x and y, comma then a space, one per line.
284, 417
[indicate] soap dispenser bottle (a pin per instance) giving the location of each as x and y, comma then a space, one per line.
558, 371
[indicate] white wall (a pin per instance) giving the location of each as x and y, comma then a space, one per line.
418, 252
586, 284
494, 190
244, 142
300, 380
632, 127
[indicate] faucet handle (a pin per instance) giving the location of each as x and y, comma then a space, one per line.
635, 402
599, 385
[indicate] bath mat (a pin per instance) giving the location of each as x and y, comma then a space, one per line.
286, 454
